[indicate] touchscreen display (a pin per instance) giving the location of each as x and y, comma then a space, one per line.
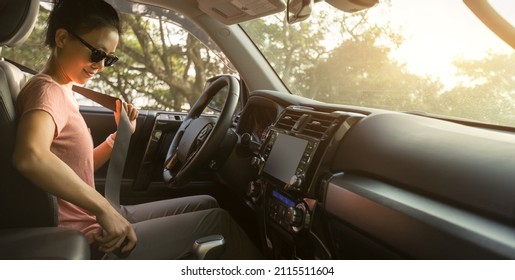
285, 156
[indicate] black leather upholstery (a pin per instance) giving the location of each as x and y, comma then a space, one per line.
21, 203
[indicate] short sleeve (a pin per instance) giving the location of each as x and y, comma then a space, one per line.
46, 95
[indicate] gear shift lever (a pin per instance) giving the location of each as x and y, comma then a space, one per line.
209, 248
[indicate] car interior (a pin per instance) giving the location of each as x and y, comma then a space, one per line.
306, 179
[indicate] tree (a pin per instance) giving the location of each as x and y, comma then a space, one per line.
338, 58
161, 63
486, 91
360, 72
162, 66
297, 47
343, 58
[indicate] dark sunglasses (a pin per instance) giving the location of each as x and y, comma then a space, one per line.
96, 54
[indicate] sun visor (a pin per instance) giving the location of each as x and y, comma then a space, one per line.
236, 11
352, 6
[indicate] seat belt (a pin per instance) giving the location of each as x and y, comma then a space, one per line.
118, 155
121, 144
120, 148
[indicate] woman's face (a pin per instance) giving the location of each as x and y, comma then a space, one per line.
74, 56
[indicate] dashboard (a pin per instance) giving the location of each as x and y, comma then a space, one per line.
339, 182
293, 148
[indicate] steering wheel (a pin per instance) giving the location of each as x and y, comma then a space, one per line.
199, 137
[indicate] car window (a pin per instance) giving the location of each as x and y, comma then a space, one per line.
418, 56
165, 59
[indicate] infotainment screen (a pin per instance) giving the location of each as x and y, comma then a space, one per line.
285, 156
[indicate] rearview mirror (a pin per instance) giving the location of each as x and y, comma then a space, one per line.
298, 10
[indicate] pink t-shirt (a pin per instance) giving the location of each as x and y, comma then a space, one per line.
72, 143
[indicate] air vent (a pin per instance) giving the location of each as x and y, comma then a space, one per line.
288, 120
310, 123
318, 126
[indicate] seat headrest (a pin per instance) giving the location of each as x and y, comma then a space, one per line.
17, 19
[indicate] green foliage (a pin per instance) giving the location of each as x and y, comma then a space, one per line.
333, 58
358, 69
161, 65
33, 52
486, 91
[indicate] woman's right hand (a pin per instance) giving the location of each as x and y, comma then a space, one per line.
116, 230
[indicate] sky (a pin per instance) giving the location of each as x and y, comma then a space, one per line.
439, 31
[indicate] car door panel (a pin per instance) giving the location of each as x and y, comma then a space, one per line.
142, 179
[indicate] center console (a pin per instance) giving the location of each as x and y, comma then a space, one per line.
286, 160
295, 154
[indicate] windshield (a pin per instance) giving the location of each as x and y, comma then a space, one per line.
418, 56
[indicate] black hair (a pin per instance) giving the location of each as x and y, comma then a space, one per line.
80, 17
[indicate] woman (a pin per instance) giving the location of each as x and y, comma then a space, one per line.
55, 150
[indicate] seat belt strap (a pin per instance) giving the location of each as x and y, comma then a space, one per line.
20, 66
120, 148
105, 100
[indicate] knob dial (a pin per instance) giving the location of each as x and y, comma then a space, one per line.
295, 216
295, 182
254, 190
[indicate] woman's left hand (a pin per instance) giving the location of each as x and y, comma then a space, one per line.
132, 113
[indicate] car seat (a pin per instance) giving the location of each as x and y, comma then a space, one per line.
28, 215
